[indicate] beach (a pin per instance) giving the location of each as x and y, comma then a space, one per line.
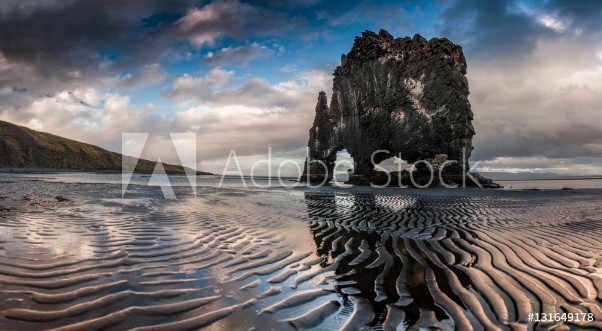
76, 255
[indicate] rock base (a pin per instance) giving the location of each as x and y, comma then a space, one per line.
403, 179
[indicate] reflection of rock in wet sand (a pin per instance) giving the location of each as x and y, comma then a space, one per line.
276, 259
459, 261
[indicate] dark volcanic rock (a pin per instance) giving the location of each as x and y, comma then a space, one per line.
404, 95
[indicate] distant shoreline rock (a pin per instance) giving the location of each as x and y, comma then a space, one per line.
406, 97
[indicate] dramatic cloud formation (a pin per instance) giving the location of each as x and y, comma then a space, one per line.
87, 115
241, 55
536, 78
248, 116
233, 19
549, 103
147, 74
245, 75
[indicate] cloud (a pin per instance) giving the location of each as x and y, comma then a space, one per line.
391, 16
72, 43
99, 118
102, 39
248, 114
289, 68
500, 28
87, 115
27, 7
202, 87
583, 15
238, 56
148, 74
548, 104
491, 28
545, 165
244, 130
552, 23
218, 19
222, 88
535, 73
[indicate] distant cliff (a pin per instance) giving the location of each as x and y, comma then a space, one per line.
21, 147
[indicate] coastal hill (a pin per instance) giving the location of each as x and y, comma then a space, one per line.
21, 147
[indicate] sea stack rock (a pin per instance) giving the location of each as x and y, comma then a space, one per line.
406, 96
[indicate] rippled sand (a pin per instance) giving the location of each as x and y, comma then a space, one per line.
235, 258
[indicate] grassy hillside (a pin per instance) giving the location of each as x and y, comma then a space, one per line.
21, 147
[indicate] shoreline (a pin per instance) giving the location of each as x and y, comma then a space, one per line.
44, 171
140, 181
76, 171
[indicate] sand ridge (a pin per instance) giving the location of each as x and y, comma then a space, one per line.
296, 259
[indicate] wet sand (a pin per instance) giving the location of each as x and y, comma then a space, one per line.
78, 257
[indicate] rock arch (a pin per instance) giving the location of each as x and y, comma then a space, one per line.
402, 95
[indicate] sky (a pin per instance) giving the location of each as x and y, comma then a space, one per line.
245, 76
